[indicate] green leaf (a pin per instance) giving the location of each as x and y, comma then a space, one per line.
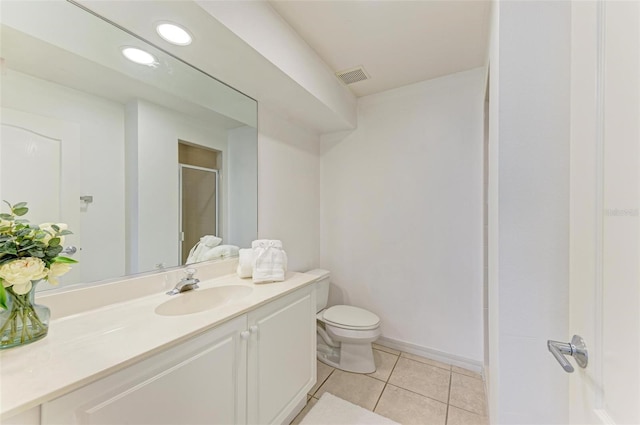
55, 227
65, 260
64, 233
3, 296
23, 232
20, 205
10, 207
9, 249
6, 216
23, 221
36, 252
53, 251
54, 242
26, 248
20, 211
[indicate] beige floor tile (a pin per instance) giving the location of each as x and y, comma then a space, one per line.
384, 365
386, 349
323, 372
462, 417
426, 360
430, 381
467, 393
409, 408
304, 411
467, 372
354, 387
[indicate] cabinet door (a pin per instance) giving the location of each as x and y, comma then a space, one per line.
282, 353
201, 381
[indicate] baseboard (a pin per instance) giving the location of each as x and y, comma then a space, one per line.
432, 354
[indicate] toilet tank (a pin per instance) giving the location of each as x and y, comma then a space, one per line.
322, 287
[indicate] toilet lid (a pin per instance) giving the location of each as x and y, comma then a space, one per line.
346, 315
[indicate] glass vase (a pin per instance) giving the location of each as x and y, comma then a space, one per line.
23, 321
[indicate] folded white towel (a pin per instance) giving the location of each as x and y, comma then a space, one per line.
206, 243
245, 263
269, 261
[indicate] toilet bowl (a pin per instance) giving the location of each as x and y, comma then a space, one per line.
344, 333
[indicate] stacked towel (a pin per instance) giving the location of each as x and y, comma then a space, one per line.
269, 261
245, 263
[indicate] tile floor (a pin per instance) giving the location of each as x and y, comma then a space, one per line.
408, 389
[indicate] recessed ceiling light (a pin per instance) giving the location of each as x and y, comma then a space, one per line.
138, 56
174, 33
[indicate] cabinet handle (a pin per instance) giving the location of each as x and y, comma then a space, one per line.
253, 329
244, 335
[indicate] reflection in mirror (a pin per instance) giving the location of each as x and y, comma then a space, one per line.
141, 161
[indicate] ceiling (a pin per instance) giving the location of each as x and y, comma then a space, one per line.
398, 42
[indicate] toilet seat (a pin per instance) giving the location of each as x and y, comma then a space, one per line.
350, 317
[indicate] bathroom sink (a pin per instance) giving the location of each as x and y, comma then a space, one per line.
199, 300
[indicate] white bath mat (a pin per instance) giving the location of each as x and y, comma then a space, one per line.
331, 410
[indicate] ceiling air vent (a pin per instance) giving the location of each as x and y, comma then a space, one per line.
353, 75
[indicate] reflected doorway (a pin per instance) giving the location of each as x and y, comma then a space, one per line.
199, 195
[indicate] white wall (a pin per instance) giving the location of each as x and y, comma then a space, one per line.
492, 325
242, 182
528, 285
289, 188
402, 213
101, 133
152, 180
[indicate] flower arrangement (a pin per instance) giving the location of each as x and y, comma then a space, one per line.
28, 253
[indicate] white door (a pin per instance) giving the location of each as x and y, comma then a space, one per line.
39, 164
605, 228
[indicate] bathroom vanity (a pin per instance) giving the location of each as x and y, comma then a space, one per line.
249, 358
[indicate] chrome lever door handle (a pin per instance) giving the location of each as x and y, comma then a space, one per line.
576, 348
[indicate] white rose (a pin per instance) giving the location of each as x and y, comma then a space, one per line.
56, 270
19, 273
47, 227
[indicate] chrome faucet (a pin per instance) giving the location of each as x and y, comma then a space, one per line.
187, 283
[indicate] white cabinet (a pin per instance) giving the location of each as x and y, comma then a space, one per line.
282, 357
256, 368
202, 381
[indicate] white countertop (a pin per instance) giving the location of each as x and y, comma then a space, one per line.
85, 347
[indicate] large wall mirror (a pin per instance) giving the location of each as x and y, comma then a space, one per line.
140, 160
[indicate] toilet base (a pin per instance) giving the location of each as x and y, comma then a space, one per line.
356, 358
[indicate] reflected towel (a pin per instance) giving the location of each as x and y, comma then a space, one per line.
205, 244
222, 251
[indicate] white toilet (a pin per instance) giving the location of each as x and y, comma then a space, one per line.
345, 333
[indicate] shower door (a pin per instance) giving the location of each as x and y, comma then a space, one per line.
198, 206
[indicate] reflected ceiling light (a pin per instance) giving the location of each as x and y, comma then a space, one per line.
174, 34
138, 56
